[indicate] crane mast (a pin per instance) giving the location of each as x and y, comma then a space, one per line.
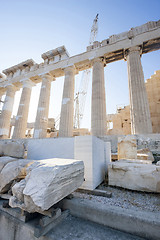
80, 96
94, 30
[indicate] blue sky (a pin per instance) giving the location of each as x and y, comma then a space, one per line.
32, 27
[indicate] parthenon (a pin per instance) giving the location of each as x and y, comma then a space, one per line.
97, 176
128, 45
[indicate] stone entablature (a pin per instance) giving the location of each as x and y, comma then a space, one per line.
147, 35
133, 32
55, 55
19, 69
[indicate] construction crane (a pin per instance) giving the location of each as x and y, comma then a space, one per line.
94, 30
80, 96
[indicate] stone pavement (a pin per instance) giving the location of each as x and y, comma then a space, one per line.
77, 229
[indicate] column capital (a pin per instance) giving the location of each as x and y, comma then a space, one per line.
2, 77
70, 68
99, 59
2, 91
47, 76
27, 83
11, 87
132, 50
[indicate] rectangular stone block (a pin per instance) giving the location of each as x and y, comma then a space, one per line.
93, 151
13, 149
138, 175
90, 150
51, 148
107, 154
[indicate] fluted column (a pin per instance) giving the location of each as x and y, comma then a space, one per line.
98, 114
67, 108
139, 107
2, 92
5, 116
22, 115
41, 123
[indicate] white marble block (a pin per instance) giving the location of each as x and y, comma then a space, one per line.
12, 149
90, 150
51, 148
107, 154
138, 175
47, 182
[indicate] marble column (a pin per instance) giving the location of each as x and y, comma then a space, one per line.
6, 113
2, 92
22, 115
41, 123
139, 107
98, 111
67, 108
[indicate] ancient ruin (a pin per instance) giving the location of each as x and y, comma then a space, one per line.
128, 45
38, 173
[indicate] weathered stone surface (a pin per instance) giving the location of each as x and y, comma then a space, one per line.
17, 190
158, 163
136, 161
4, 160
47, 182
1, 149
135, 175
14, 170
127, 147
13, 149
145, 154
